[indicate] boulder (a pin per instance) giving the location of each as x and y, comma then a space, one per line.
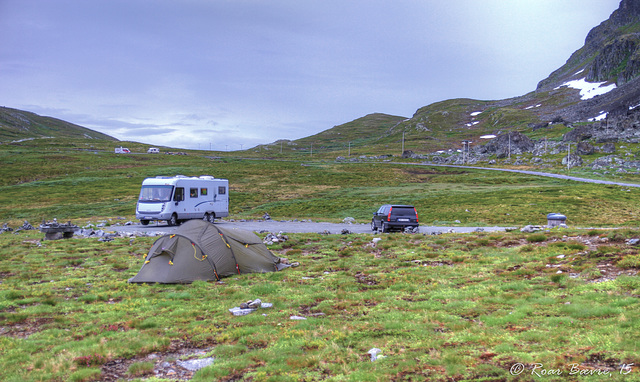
572, 160
584, 148
511, 143
608, 148
531, 229
349, 220
578, 134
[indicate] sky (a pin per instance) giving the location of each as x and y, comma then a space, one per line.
231, 74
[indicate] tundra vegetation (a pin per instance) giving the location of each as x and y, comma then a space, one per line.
447, 307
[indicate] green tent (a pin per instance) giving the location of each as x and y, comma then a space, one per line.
200, 250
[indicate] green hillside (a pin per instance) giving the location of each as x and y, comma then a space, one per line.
361, 134
18, 124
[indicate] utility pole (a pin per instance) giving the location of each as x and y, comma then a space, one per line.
465, 151
312, 150
349, 149
402, 143
509, 145
569, 157
280, 147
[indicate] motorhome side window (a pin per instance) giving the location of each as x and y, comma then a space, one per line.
222, 190
203, 191
179, 195
193, 192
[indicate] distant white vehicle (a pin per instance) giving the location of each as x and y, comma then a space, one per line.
153, 150
179, 198
122, 150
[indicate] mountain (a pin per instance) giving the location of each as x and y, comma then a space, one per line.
18, 124
596, 90
600, 80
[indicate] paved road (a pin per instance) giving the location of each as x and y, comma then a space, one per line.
547, 174
296, 227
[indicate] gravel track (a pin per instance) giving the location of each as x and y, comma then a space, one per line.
274, 226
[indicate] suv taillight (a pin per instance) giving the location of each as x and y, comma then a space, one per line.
416, 214
389, 216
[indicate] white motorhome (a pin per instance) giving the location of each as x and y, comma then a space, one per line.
179, 198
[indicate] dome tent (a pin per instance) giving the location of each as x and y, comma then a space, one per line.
200, 250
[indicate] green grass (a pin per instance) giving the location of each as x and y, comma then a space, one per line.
463, 307
83, 179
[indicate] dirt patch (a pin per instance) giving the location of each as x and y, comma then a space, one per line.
310, 310
610, 272
165, 363
25, 328
365, 279
433, 263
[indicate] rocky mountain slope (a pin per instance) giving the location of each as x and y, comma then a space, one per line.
599, 85
17, 124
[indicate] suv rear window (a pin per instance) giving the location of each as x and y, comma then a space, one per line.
403, 211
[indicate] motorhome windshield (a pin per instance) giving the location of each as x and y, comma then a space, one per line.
156, 193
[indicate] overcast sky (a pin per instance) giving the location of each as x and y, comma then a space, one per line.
231, 74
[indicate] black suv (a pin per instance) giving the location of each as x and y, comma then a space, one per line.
392, 216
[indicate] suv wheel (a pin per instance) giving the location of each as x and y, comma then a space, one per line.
385, 228
373, 226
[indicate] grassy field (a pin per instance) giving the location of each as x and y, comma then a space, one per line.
444, 308
43, 179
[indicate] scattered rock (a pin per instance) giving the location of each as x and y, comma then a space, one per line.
271, 238
195, 364
237, 311
24, 227
6, 228
349, 220
407, 154
249, 307
531, 229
